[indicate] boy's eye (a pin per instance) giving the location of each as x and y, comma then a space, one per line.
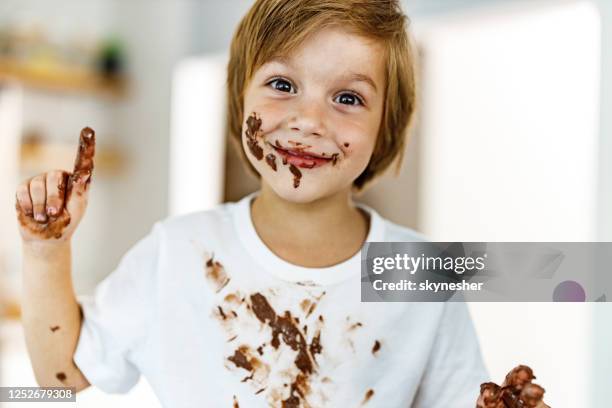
281, 85
347, 98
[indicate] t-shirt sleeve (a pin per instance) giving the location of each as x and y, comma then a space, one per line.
455, 368
117, 318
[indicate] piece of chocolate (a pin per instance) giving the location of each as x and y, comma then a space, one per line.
517, 391
532, 395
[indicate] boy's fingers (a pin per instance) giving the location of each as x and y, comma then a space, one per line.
56, 187
23, 198
83, 165
38, 194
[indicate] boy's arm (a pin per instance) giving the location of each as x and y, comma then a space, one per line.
455, 368
49, 209
50, 314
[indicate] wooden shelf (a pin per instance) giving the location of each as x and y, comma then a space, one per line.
42, 157
62, 79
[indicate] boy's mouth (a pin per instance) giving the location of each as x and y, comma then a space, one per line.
301, 158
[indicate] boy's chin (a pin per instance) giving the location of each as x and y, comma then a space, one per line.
303, 193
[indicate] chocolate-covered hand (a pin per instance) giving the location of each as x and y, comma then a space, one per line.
51, 205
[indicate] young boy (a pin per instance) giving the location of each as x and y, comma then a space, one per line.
256, 303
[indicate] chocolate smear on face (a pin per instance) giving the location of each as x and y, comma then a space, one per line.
215, 275
271, 160
297, 175
61, 376
334, 158
376, 347
54, 328
346, 145
368, 396
253, 127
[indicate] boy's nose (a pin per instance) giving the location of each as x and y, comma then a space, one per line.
309, 120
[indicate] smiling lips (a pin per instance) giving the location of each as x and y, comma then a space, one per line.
299, 158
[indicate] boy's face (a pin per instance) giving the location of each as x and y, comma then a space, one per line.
320, 110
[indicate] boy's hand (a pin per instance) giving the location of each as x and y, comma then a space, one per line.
51, 205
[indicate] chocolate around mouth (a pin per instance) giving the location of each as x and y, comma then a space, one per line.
299, 152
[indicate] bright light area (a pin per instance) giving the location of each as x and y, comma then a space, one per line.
197, 142
510, 136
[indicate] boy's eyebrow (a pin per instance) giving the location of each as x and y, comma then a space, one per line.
282, 60
354, 76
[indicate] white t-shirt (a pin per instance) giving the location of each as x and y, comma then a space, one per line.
213, 318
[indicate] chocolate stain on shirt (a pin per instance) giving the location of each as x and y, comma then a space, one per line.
368, 395
271, 160
285, 328
235, 405
299, 389
253, 127
240, 359
215, 275
376, 347
355, 326
54, 328
297, 175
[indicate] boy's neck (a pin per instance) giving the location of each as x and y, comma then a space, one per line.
316, 234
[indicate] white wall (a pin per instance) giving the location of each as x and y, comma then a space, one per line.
510, 139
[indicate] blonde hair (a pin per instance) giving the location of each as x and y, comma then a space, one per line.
276, 27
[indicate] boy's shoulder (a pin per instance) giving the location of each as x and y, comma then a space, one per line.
394, 232
214, 219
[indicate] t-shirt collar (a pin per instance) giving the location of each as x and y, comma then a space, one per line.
287, 271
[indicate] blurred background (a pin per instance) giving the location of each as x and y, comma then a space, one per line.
513, 143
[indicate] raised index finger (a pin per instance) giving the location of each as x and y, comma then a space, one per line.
83, 165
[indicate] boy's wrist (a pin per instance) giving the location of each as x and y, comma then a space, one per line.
45, 248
